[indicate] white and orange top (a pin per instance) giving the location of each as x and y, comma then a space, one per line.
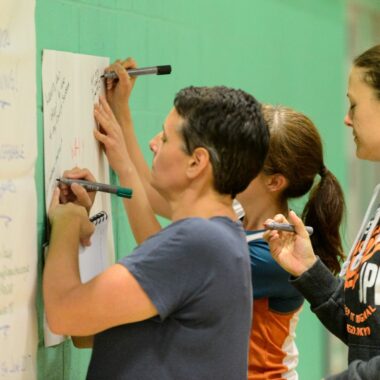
272, 350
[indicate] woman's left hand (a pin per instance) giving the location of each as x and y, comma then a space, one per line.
111, 136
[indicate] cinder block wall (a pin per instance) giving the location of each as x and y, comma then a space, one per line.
290, 52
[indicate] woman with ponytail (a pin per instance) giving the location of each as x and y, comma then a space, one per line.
293, 168
348, 305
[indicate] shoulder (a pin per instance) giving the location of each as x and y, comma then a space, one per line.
209, 237
193, 239
217, 227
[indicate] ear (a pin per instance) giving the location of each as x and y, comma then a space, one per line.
199, 160
276, 182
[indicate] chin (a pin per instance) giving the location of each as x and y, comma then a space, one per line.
361, 155
153, 184
156, 186
368, 156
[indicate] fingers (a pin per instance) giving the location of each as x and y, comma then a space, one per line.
104, 122
129, 63
105, 106
100, 137
280, 218
109, 81
85, 242
106, 118
120, 68
82, 196
76, 193
103, 113
299, 227
87, 229
75, 173
272, 235
127, 80
79, 173
122, 74
54, 202
298, 224
100, 116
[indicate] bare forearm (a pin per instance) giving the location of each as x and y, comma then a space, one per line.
61, 272
139, 211
158, 203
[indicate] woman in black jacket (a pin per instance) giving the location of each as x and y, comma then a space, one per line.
348, 306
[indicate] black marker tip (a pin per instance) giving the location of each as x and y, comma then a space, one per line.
163, 70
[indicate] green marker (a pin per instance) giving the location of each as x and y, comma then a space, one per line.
124, 192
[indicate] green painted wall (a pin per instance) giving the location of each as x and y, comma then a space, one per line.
283, 51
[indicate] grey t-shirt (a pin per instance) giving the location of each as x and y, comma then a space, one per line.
197, 274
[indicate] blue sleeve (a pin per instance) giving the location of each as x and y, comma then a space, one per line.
183, 263
269, 280
168, 267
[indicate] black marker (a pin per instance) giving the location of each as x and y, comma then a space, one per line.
124, 192
285, 227
159, 70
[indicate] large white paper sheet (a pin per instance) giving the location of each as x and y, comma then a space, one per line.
18, 137
18, 263
71, 86
18, 204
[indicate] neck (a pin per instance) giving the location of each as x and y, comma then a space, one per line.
207, 205
256, 213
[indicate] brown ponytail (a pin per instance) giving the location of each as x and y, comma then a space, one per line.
295, 151
324, 211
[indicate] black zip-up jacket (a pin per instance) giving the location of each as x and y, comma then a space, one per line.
350, 309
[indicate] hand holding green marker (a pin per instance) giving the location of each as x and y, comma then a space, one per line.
124, 192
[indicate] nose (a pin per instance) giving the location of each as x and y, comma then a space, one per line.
348, 120
153, 144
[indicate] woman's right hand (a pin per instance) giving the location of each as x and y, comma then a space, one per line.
291, 250
76, 193
66, 213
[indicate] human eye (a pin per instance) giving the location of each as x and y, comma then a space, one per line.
351, 107
163, 137
351, 103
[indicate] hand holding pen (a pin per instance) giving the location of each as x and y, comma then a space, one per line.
124, 192
151, 70
285, 227
77, 194
120, 78
292, 251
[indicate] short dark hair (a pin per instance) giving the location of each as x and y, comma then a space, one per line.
370, 62
229, 124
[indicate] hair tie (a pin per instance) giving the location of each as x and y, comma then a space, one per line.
323, 170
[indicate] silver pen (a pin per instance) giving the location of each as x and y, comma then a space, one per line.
285, 227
